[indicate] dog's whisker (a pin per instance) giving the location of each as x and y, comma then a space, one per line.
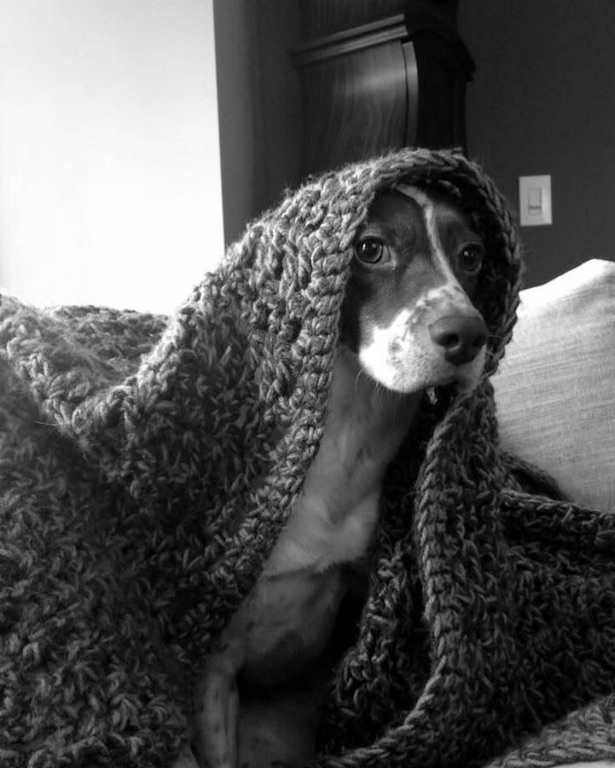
360, 372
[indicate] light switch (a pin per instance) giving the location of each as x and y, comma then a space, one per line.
535, 200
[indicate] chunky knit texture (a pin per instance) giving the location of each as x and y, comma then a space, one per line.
148, 464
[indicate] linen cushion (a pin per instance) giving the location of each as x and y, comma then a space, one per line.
556, 387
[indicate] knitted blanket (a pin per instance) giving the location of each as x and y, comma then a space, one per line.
148, 464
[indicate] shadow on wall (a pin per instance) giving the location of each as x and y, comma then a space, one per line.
259, 106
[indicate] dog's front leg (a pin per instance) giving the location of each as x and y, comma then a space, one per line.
218, 709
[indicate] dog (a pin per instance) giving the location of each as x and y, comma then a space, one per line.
408, 324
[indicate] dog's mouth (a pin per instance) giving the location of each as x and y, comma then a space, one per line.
467, 382
407, 360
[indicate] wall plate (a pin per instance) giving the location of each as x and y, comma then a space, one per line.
535, 208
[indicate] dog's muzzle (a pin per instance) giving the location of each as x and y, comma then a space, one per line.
460, 336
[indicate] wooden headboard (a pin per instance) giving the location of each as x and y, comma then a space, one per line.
379, 75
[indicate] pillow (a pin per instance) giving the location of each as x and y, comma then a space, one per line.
555, 390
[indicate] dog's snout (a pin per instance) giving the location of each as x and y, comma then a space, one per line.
461, 337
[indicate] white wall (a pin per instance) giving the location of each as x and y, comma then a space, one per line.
110, 188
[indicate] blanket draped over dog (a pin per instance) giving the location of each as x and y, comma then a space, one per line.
147, 465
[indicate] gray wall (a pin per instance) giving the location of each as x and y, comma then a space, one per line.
543, 101
259, 104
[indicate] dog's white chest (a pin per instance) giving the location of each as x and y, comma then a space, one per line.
290, 614
334, 517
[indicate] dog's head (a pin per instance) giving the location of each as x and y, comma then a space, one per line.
408, 311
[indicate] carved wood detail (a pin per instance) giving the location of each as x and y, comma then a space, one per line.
391, 82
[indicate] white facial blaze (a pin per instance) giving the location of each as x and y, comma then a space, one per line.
394, 358
402, 356
429, 216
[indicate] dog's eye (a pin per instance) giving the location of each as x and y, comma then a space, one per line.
470, 259
370, 250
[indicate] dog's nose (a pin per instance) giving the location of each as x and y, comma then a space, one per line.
462, 337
